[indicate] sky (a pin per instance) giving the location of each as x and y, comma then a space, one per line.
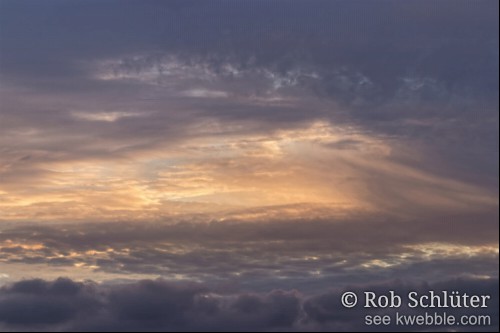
236, 165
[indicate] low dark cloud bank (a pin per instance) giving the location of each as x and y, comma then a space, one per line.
156, 305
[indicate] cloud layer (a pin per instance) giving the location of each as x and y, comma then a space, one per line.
161, 306
259, 254
407, 101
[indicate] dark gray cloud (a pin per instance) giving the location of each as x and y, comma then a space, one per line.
161, 306
327, 310
339, 33
36, 302
415, 69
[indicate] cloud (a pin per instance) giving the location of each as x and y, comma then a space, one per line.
125, 175
136, 100
270, 251
156, 305
203, 93
105, 116
36, 302
327, 313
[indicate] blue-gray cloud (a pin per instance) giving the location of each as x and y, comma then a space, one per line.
161, 306
421, 71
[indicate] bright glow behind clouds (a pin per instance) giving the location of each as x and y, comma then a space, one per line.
316, 164
167, 154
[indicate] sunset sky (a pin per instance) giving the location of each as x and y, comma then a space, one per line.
237, 155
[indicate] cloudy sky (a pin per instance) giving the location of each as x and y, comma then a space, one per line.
237, 164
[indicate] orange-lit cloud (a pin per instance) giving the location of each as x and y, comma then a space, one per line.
319, 164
